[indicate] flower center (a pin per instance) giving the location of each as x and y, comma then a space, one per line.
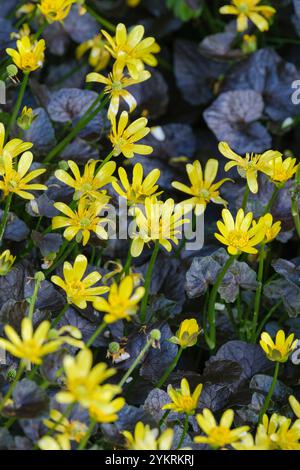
28, 60
85, 222
238, 239
220, 436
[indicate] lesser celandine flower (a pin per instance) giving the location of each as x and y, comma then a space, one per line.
287, 436
124, 137
78, 289
59, 442
91, 181
246, 10
26, 118
281, 170
262, 440
131, 50
116, 87
82, 221
280, 350
13, 147
249, 166
31, 345
182, 399
159, 222
140, 188
6, 262
145, 438
104, 407
271, 229
99, 56
218, 435
122, 301
17, 180
73, 430
82, 379
187, 334
249, 44
238, 235
55, 10
203, 189
29, 55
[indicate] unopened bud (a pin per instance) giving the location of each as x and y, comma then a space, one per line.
155, 335
11, 70
114, 347
39, 276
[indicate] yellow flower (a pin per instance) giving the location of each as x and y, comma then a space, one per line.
81, 222
59, 442
98, 56
55, 10
31, 346
68, 334
187, 334
271, 230
202, 189
182, 400
280, 171
72, 430
13, 148
249, 44
238, 234
131, 50
145, 438
158, 222
79, 290
249, 166
218, 435
6, 262
122, 302
138, 190
133, 3
281, 434
281, 349
104, 407
116, 84
26, 118
295, 405
18, 180
263, 437
82, 379
246, 10
29, 56
90, 182
248, 443
123, 138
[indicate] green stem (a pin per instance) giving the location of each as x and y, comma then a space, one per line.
87, 435
148, 280
33, 298
258, 291
5, 216
40, 31
164, 417
211, 337
271, 201
170, 369
105, 23
295, 206
245, 197
61, 259
270, 394
107, 159
136, 362
13, 385
185, 428
18, 104
59, 316
83, 121
98, 332
266, 318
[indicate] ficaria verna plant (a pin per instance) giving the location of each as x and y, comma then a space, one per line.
149, 225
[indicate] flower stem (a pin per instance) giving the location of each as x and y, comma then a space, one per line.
136, 362
13, 385
60, 315
245, 197
270, 393
107, 159
83, 121
295, 207
18, 104
5, 216
61, 258
87, 435
266, 318
185, 428
33, 298
169, 369
258, 291
94, 336
148, 280
105, 23
211, 337
164, 417
271, 201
